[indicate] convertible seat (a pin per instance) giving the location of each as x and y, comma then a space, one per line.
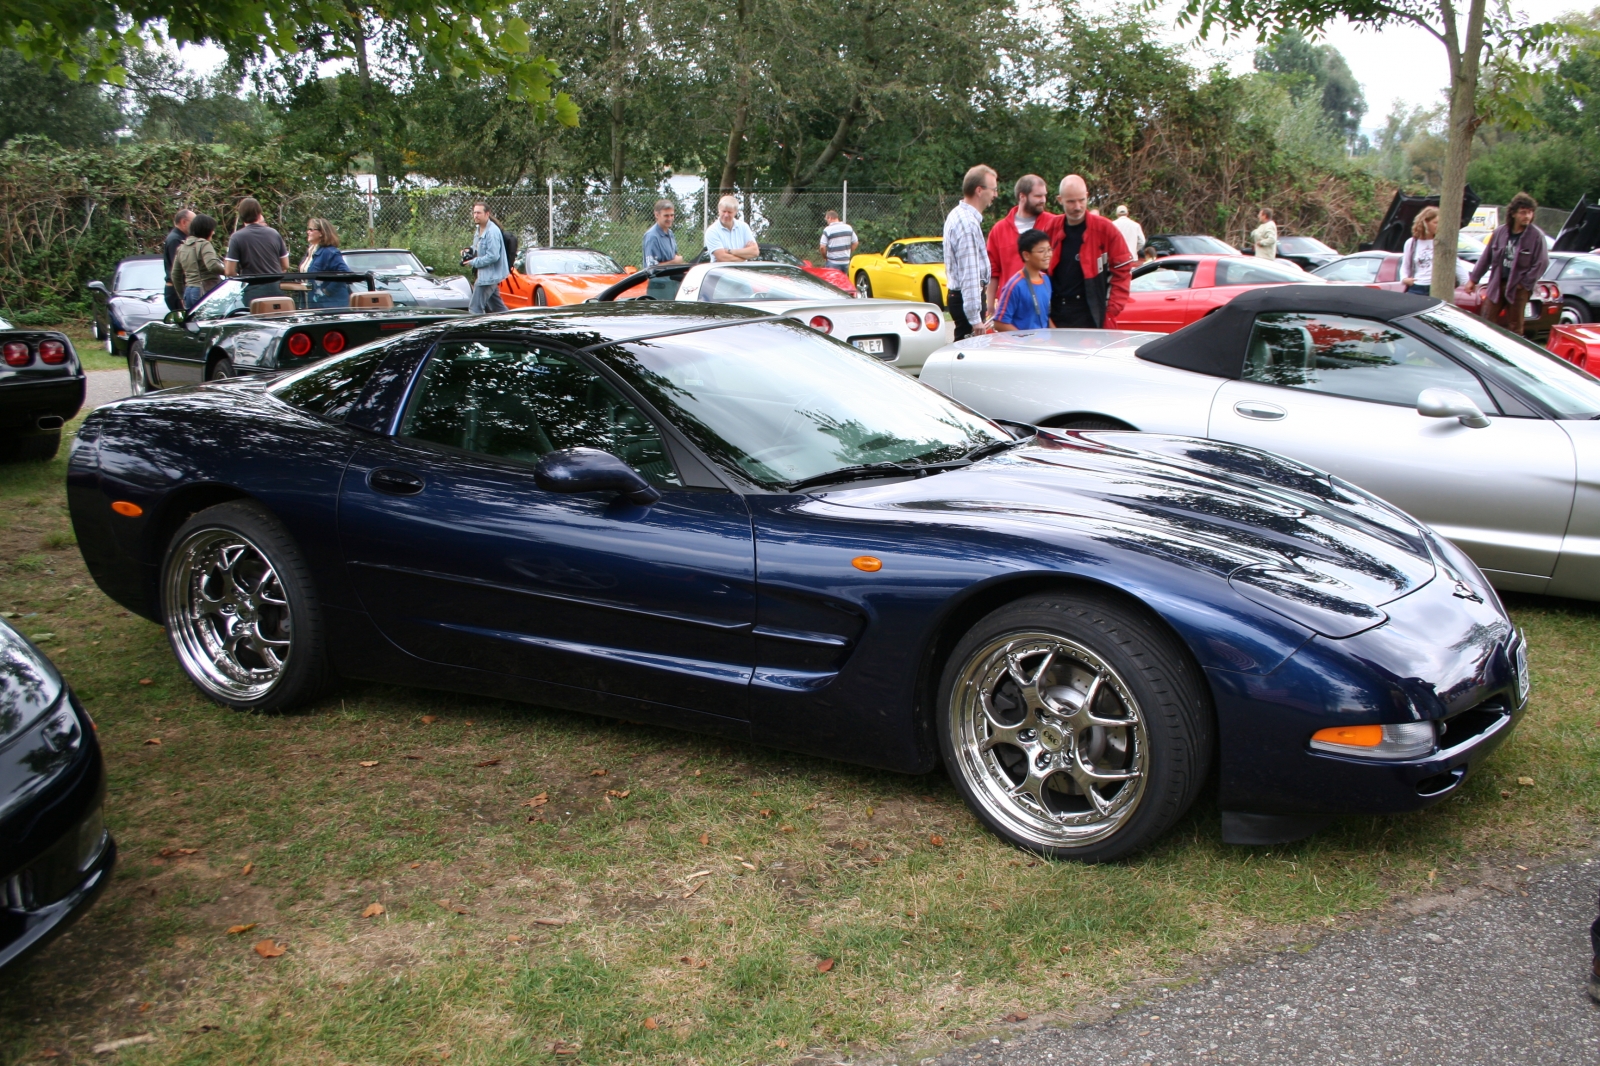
372, 301
270, 305
1218, 343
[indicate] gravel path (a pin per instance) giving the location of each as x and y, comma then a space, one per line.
105, 386
1493, 982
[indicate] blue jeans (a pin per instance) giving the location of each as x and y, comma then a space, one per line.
1420, 290
191, 296
486, 298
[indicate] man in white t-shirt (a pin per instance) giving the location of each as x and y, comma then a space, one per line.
838, 242
1132, 232
729, 239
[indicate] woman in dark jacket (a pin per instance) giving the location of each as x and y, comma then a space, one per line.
323, 254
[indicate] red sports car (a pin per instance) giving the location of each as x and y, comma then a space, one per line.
777, 253
1176, 290
1381, 270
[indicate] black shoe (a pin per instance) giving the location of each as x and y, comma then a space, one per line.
1594, 980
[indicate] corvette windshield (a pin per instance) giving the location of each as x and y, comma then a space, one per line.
569, 261
224, 300
144, 274
764, 282
780, 403
1566, 390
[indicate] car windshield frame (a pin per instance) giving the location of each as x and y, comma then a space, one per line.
810, 406
801, 286
155, 265
603, 263
1287, 273
1568, 392
414, 269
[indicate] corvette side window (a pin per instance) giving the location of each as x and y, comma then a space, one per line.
1351, 270
1353, 357
330, 388
514, 402
1162, 277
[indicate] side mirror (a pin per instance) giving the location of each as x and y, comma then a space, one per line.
1448, 403
176, 318
630, 270
592, 470
98, 286
805, 262
429, 269
896, 260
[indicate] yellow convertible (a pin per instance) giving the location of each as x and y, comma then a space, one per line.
909, 269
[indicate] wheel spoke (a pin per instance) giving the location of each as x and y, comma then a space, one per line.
1087, 785
1081, 766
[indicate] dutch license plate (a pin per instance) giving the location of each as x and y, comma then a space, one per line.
1529, 312
870, 345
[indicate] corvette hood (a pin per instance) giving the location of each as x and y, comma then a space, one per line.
1286, 536
580, 281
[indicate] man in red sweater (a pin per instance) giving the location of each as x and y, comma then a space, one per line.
1029, 213
1091, 264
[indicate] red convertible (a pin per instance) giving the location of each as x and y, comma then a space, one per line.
1176, 290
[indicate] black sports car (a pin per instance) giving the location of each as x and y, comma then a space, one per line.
1577, 276
41, 387
238, 330
134, 296
55, 853
1166, 244
412, 284
1307, 253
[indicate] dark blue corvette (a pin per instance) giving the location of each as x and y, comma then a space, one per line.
727, 522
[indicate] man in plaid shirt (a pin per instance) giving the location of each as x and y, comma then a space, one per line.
966, 256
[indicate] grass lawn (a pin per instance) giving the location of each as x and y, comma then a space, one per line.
560, 888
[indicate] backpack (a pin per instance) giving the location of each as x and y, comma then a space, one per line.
511, 246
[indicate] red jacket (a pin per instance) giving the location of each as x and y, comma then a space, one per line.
1104, 252
1004, 259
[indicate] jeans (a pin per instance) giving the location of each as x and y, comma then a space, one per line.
486, 298
1419, 290
191, 296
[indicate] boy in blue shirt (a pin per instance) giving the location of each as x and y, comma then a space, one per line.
1024, 300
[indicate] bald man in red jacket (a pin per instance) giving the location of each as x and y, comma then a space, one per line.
1090, 263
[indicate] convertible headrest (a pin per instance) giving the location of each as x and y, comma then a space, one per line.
372, 301
270, 305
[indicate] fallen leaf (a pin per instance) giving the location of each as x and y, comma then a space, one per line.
538, 801
429, 719
1016, 1016
620, 795
153, 740
128, 1041
488, 762
562, 1048
766, 812
782, 1042
936, 840
598, 773
1525, 781
549, 921
456, 907
697, 773
373, 910
650, 1023
1505, 794
705, 838
466, 723
697, 886
41, 636
369, 762
825, 965
143, 1007
785, 828
748, 865
248, 867
167, 853
1521, 867
269, 949
411, 757
235, 930
515, 938
146, 681
49, 1052
415, 865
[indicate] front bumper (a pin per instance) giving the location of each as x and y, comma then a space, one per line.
25, 930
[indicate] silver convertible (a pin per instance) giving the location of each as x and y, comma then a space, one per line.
1488, 438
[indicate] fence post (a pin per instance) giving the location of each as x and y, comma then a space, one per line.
705, 199
844, 210
372, 226
550, 185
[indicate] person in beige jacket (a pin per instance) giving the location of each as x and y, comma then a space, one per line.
197, 268
1264, 236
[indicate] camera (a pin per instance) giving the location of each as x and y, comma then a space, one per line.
466, 256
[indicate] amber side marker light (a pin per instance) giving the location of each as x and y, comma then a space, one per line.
1400, 740
1355, 736
127, 509
869, 563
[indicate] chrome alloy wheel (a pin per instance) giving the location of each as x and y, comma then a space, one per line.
228, 615
136, 379
1049, 738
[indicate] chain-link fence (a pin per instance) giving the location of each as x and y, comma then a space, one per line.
437, 223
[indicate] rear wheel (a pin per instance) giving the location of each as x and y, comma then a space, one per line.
241, 610
222, 368
1574, 312
863, 285
1074, 726
1088, 423
931, 292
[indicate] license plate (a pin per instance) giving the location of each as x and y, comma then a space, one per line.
870, 345
1529, 312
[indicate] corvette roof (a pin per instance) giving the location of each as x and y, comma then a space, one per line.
1216, 344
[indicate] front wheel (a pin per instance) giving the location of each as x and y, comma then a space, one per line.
539, 298
863, 285
1074, 726
138, 376
241, 610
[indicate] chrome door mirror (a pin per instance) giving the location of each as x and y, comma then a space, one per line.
1448, 403
99, 287
592, 470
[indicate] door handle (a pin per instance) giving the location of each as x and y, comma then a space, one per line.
1261, 412
1169, 297
394, 482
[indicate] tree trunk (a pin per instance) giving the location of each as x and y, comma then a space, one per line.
840, 135
741, 107
616, 79
1464, 64
369, 106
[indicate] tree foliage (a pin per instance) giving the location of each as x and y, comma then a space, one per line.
1319, 72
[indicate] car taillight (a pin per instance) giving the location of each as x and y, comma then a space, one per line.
822, 322
17, 354
299, 344
52, 352
333, 342
913, 321
1549, 293
933, 321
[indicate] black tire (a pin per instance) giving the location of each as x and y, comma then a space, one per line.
100, 332
138, 372
1089, 423
31, 447
1575, 311
863, 285
286, 662
1120, 665
222, 368
931, 292
539, 298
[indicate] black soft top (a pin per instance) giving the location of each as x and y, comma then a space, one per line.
1216, 344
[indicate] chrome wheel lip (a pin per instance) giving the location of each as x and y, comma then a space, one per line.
136, 370
994, 789
1569, 317
207, 628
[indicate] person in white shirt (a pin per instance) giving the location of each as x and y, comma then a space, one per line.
1416, 258
966, 255
1132, 232
729, 239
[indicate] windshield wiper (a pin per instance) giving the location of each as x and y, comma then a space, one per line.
994, 447
853, 473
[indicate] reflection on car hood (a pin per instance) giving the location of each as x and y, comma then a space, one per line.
1263, 520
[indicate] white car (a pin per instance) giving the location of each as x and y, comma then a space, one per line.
902, 333
1488, 438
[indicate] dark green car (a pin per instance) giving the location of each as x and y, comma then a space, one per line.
223, 337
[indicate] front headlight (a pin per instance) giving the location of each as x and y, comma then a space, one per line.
29, 685
1402, 740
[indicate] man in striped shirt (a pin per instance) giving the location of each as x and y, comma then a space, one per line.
838, 243
966, 258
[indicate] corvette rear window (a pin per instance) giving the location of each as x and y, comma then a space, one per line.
330, 388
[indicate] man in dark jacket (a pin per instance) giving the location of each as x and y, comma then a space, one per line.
169, 249
1515, 259
1091, 264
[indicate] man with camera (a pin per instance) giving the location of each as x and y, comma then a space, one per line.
488, 257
